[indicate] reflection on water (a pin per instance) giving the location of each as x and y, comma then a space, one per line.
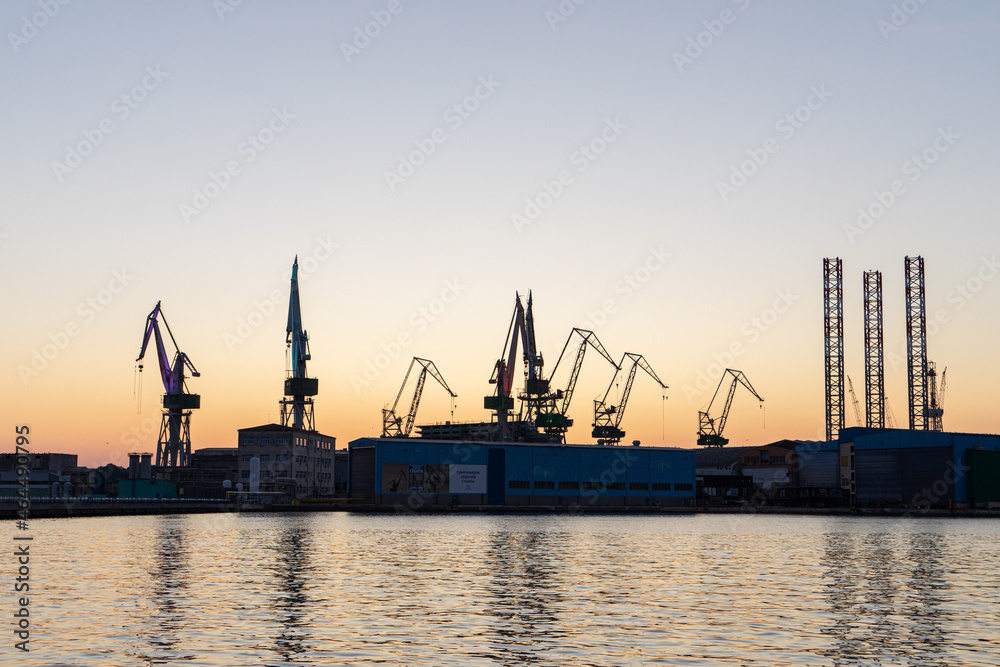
521, 596
347, 589
163, 622
289, 564
886, 593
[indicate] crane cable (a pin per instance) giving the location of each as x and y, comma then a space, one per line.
137, 388
663, 415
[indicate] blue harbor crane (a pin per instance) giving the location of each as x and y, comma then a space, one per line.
297, 405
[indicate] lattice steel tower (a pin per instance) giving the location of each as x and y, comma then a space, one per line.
874, 357
916, 342
833, 331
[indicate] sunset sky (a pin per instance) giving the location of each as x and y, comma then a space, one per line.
670, 175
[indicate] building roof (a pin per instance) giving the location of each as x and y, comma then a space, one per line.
216, 450
278, 428
371, 440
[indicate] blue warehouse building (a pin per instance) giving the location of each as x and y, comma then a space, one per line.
426, 473
919, 469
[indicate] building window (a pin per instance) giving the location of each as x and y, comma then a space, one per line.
245, 474
247, 457
593, 486
545, 485
682, 487
518, 484
778, 459
569, 486
616, 486
751, 460
265, 458
247, 440
638, 486
763, 456
264, 440
280, 458
661, 486
281, 440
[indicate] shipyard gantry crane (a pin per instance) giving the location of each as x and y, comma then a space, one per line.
935, 396
501, 402
607, 418
535, 384
554, 406
297, 405
709, 429
173, 447
394, 426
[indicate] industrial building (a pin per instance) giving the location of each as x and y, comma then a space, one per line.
424, 473
918, 469
274, 458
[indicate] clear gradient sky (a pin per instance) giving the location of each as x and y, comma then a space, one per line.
691, 164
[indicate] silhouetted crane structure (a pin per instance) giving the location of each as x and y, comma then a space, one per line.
535, 385
833, 330
607, 417
854, 402
297, 405
394, 426
935, 409
874, 357
501, 403
553, 408
709, 429
173, 447
916, 343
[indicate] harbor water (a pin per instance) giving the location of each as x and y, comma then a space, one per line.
350, 589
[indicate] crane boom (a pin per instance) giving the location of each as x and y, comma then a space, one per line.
605, 427
854, 401
395, 426
709, 429
553, 408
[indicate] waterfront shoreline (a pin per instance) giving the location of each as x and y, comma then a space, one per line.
77, 508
